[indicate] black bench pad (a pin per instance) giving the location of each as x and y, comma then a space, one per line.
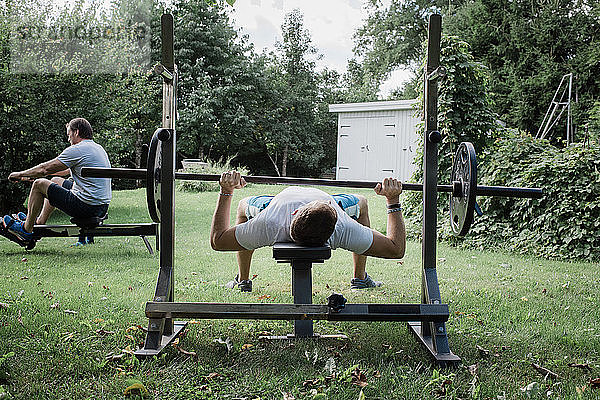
292, 251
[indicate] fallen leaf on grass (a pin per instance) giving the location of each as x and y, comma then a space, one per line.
472, 369
226, 342
595, 383
19, 318
582, 366
482, 352
185, 352
104, 332
136, 388
264, 297
531, 390
133, 328
544, 371
212, 375
311, 382
114, 357
246, 346
55, 305
359, 378
288, 396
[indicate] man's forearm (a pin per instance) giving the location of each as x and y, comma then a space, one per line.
220, 221
43, 169
396, 230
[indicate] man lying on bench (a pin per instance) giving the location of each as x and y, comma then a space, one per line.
309, 217
84, 198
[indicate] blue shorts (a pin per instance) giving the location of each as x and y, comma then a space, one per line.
62, 198
347, 202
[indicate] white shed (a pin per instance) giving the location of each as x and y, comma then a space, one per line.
376, 140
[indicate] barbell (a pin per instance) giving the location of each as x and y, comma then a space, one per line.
463, 189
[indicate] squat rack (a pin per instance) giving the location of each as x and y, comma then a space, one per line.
426, 319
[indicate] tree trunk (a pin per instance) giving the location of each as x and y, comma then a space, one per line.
138, 150
274, 164
284, 161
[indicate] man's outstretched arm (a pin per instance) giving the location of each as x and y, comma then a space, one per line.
41, 170
393, 245
222, 236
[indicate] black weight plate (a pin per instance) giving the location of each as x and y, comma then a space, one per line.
464, 170
153, 177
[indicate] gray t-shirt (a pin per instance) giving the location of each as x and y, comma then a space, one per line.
272, 225
87, 153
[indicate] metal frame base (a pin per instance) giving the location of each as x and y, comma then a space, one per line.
442, 359
292, 336
178, 327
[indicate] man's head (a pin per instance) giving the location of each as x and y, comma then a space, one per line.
79, 127
313, 223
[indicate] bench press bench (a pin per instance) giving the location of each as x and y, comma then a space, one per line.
88, 227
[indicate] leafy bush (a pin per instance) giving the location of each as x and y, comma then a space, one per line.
212, 167
464, 114
564, 223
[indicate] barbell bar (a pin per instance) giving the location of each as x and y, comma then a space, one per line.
141, 173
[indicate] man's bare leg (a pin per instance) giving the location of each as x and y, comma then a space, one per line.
48, 208
360, 261
35, 203
244, 257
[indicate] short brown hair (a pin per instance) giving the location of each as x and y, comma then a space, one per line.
313, 224
82, 126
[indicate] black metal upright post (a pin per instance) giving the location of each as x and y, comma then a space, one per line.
432, 334
162, 331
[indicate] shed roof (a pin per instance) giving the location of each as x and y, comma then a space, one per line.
374, 106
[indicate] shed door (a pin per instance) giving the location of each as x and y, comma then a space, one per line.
381, 148
352, 153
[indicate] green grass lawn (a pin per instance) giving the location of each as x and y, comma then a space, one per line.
71, 316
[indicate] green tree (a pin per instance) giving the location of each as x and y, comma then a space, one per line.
527, 46
221, 90
296, 135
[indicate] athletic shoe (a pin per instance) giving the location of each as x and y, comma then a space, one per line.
357, 283
77, 244
244, 285
20, 216
16, 228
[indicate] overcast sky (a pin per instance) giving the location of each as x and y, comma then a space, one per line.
331, 23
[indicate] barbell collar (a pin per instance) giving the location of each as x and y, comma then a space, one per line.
132, 173
164, 134
437, 73
160, 70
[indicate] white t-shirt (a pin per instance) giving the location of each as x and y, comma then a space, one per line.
272, 225
87, 153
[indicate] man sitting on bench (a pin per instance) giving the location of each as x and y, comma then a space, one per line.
309, 217
83, 198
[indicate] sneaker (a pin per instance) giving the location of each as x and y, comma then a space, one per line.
20, 216
77, 244
16, 228
357, 283
244, 285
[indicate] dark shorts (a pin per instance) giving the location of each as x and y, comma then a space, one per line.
347, 202
62, 198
